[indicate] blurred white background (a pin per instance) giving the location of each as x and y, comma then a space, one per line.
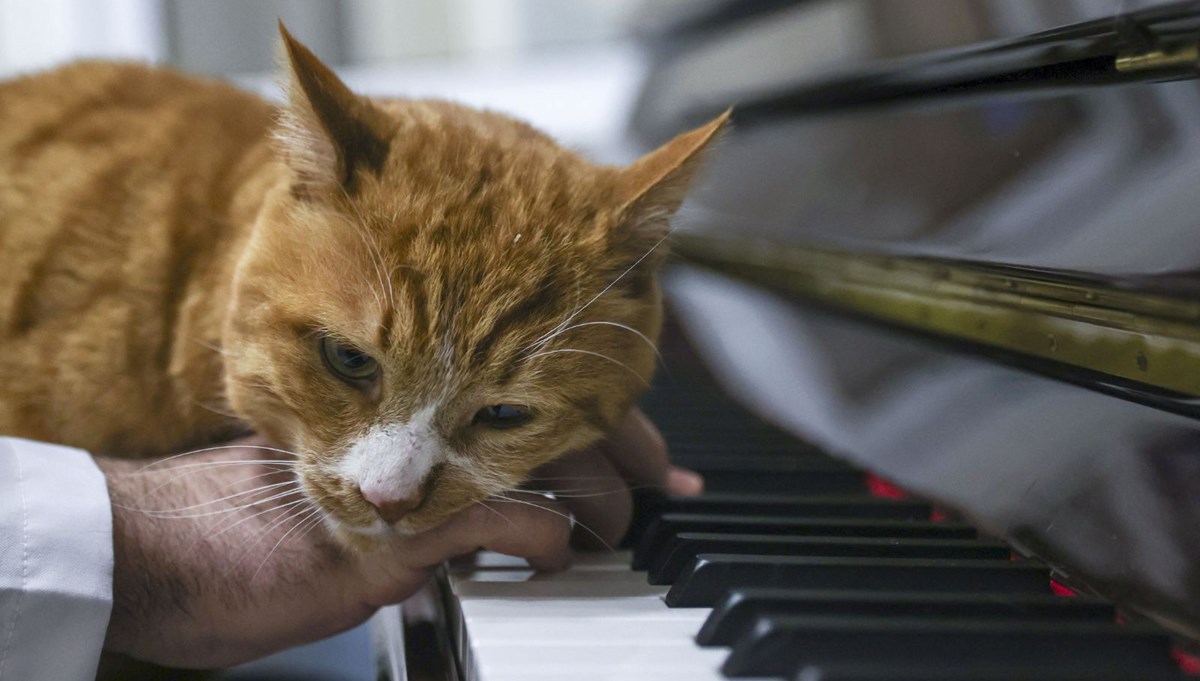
565, 66
236, 36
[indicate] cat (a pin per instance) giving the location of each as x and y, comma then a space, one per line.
422, 301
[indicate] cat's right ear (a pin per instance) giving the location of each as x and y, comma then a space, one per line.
328, 134
653, 188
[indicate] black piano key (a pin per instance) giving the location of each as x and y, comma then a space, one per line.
704, 430
669, 524
745, 471
932, 671
697, 449
710, 576
793, 506
784, 483
951, 673
680, 549
778, 646
648, 504
693, 401
721, 427
746, 459
740, 608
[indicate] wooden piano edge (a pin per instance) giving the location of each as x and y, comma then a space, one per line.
1137, 345
387, 644
422, 639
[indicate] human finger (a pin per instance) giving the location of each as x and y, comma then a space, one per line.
637, 450
683, 482
525, 525
592, 488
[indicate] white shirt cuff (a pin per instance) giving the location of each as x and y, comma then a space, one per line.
56, 561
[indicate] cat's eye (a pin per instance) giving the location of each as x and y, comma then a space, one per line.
346, 361
502, 416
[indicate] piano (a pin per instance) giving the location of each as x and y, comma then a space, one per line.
934, 342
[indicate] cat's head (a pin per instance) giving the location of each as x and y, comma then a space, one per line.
441, 299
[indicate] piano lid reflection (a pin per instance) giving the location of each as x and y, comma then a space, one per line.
952, 243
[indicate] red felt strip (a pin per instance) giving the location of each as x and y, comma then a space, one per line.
878, 487
1061, 589
1188, 663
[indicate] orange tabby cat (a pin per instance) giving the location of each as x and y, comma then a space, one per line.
422, 300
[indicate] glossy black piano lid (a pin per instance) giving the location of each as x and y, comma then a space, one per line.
1084, 54
1095, 185
921, 49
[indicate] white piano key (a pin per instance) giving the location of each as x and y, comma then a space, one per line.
515, 632
597, 621
544, 590
591, 576
601, 560
645, 608
649, 659
605, 675
528, 575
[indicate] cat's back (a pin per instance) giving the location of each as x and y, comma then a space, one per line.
116, 148
120, 185
116, 107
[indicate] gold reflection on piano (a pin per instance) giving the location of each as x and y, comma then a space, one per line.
1163, 58
1148, 339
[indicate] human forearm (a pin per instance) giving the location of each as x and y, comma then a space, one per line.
206, 576
191, 549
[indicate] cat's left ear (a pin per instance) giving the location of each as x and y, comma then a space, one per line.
654, 186
329, 134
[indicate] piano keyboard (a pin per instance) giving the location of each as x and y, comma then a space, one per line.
788, 567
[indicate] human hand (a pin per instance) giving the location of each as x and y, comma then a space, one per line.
220, 559
596, 484
209, 572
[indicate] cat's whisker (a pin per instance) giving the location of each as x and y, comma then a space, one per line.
215, 410
314, 522
584, 494
353, 267
261, 488
568, 517
301, 521
630, 329
278, 507
274, 468
544, 490
544, 478
541, 342
291, 514
279, 464
190, 468
215, 348
496, 512
255, 490
361, 224
619, 363
174, 515
242, 481
376, 291
378, 260
215, 449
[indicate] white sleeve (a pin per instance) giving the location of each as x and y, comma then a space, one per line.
56, 560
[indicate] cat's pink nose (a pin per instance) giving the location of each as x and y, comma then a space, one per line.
391, 506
